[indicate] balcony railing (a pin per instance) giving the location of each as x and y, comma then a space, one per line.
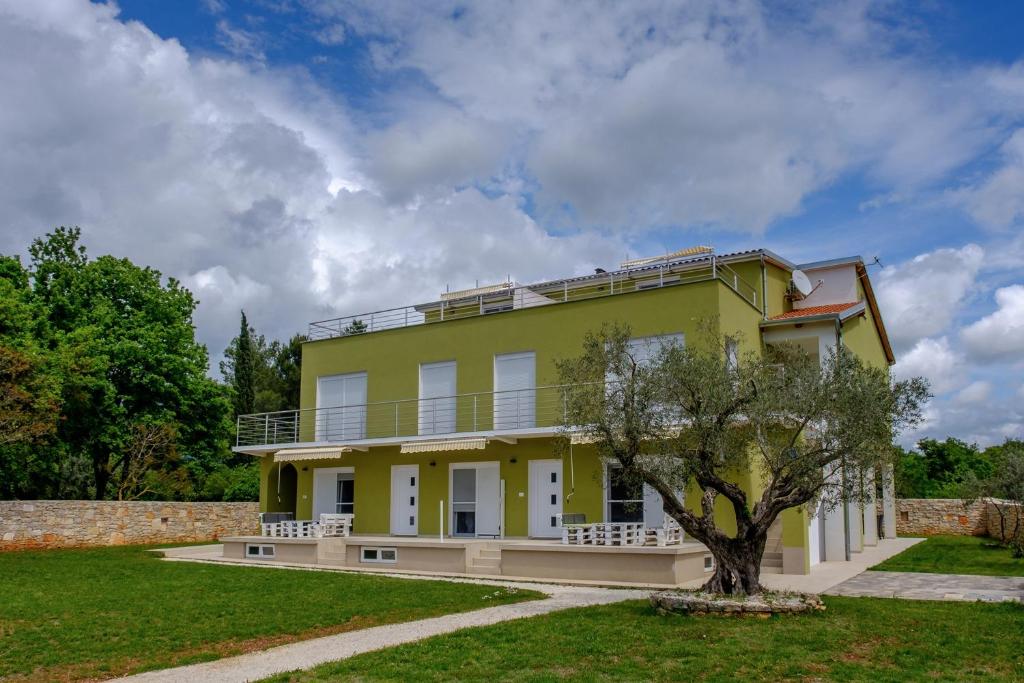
540, 407
527, 296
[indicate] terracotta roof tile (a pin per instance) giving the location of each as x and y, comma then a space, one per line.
814, 310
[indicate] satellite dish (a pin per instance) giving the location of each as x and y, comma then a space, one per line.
802, 283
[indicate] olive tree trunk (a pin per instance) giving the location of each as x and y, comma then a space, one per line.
737, 565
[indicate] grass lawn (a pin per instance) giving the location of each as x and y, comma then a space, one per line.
855, 639
72, 614
955, 555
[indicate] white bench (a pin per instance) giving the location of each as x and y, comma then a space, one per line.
604, 533
329, 526
332, 525
669, 534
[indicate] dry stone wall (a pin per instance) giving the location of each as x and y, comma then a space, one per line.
951, 516
934, 516
1007, 525
28, 524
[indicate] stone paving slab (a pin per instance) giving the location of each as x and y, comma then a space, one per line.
923, 586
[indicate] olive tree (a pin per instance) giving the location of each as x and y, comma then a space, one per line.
702, 413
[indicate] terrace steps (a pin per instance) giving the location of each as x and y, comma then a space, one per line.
487, 561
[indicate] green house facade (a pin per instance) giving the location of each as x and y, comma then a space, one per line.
441, 420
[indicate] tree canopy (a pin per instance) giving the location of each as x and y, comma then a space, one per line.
699, 413
106, 350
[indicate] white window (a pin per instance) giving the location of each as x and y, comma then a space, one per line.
732, 355
341, 407
646, 349
437, 398
256, 551
378, 555
345, 501
625, 497
709, 563
515, 390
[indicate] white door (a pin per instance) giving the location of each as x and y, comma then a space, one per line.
475, 494
488, 500
405, 487
341, 407
437, 398
545, 498
333, 491
515, 390
654, 508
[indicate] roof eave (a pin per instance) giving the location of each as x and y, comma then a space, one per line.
869, 294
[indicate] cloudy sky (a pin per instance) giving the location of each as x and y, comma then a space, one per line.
310, 158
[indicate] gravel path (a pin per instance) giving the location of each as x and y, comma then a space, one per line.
308, 653
921, 586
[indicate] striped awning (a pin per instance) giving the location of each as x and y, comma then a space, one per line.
320, 453
579, 438
444, 445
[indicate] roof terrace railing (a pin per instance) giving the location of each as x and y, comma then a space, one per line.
526, 296
539, 407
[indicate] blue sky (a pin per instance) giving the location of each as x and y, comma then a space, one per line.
310, 158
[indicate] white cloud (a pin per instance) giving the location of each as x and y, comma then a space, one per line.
244, 182
705, 113
999, 335
921, 298
934, 360
975, 393
998, 201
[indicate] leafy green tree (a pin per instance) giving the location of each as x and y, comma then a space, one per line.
276, 370
694, 414
130, 357
355, 327
288, 366
939, 469
30, 385
1005, 481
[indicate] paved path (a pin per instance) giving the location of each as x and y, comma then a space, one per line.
309, 653
920, 586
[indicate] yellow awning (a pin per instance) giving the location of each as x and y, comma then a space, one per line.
444, 445
578, 438
320, 453
477, 291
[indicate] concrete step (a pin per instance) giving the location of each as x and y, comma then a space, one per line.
487, 552
493, 571
771, 570
487, 562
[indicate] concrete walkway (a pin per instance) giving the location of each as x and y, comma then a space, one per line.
921, 586
309, 653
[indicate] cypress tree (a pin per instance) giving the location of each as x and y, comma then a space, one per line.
244, 379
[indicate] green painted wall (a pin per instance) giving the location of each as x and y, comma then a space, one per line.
860, 335
391, 360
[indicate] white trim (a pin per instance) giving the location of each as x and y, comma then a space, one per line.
363, 444
328, 471
420, 398
343, 406
532, 492
261, 551
482, 464
380, 550
404, 470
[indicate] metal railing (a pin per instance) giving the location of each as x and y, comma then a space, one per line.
539, 407
527, 296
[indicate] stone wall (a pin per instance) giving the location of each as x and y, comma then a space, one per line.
69, 523
934, 516
1013, 514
